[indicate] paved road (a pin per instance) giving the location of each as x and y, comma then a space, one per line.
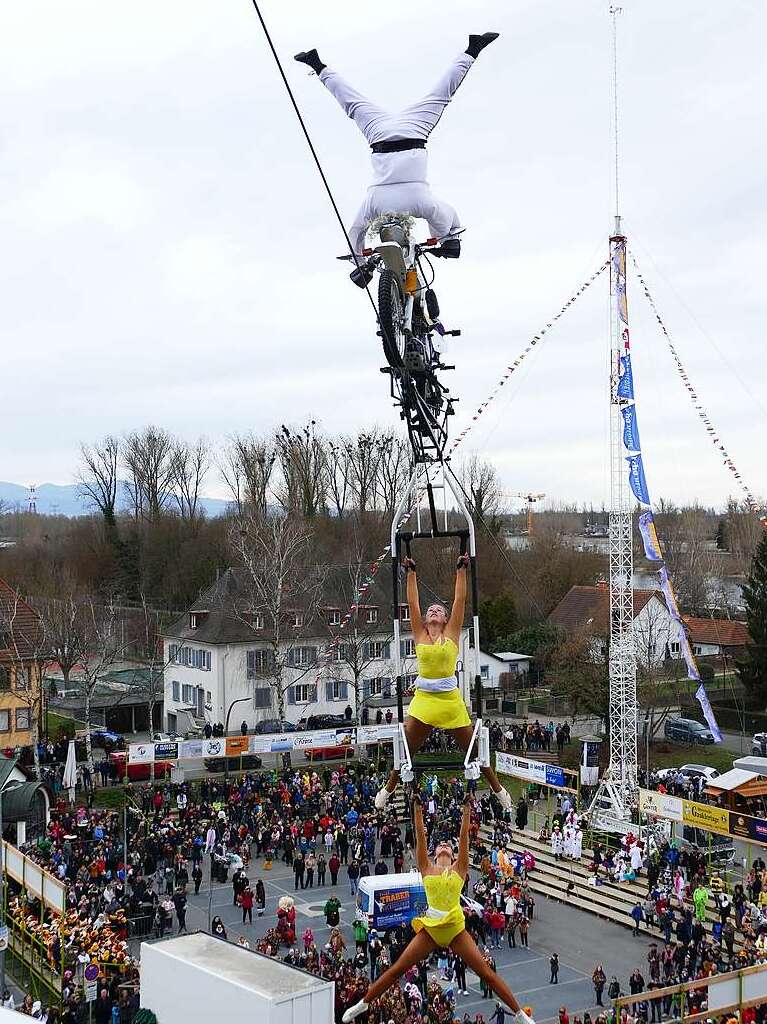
580, 939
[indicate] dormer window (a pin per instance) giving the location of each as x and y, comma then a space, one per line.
197, 618
334, 617
404, 613
371, 615
298, 620
258, 620
193, 620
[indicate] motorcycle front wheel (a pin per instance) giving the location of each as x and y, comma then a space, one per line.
391, 311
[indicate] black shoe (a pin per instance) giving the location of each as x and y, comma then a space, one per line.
478, 43
450, 249
312, 59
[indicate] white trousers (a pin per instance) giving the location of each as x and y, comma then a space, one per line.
399, 179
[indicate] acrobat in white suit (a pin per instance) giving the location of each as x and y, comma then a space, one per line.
398, 144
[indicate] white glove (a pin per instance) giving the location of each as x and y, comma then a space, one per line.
522, 1018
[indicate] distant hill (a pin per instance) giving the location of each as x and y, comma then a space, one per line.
65, 500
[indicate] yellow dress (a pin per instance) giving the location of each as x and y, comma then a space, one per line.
443, 893
444, 709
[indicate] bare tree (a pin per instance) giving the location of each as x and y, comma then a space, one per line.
480, 480
281, 589
65, 632
303, 461
364, 454
247, 465
148, 456
191, 463
98, 478
687, 536
339, 475
394, 469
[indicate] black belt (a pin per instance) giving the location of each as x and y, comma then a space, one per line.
398, 145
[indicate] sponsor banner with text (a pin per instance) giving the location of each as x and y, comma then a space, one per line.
521, 768
743, 826
140, 753
167, 751
376, 733
236, 746
715, 819
660, 805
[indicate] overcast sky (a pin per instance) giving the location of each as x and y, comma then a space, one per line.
166, 248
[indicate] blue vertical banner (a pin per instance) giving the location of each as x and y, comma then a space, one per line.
637, 479
708, 712
625, 387
630, 428
668, 593
650, 538
689, 657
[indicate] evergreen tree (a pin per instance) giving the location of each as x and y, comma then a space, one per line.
753, 668
497, 618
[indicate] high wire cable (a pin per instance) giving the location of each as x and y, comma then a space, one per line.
313, 151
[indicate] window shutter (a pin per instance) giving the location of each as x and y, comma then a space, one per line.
367, 652
313, 692
291, 695
386, 651
344, 691
329, 690
365, 689
312, 655
386, 686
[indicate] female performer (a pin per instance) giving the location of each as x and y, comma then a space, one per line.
437, 702
443, 925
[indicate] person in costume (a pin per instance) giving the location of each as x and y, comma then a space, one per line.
443, 925
438, 703
398, 147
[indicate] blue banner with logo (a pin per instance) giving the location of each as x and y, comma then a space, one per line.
637, 479
708, 712
625, 387
668, 593
689, 657
554, 776
650, 538
630, 428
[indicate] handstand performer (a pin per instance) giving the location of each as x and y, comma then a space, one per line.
443, 925
398, 144
437, 702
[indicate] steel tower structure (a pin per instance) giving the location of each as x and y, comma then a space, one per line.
617, 791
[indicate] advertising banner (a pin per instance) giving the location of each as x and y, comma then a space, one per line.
376, 733
660, 805
213, 747
743, 826
554, 776
192, 749
521, 768
167, 751
392, 907
715, 819
236, 746
140, 753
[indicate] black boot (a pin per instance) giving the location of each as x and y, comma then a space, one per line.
477, 43
312, 59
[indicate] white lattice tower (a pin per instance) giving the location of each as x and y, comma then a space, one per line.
618, 789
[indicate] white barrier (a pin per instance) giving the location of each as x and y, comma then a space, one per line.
35, 879
270, 743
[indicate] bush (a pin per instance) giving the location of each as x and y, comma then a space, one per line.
706, 672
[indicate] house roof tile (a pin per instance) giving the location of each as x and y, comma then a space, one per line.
589, 608
722, 632
21, 633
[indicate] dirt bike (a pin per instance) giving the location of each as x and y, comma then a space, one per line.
410, 328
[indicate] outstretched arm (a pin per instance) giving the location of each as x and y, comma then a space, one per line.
413, 603
421, 854
455, 624
462, 862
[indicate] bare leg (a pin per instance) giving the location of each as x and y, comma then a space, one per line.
466, 948
463, 739
417, 949
416, 733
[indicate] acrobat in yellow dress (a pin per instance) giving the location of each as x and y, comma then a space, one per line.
437, 699
444, 895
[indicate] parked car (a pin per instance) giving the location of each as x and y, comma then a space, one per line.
329, 753
759, 744
720, 849
233, 764
269, 725
691, 771
140, 772
687, 730
107, 740
324, 722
